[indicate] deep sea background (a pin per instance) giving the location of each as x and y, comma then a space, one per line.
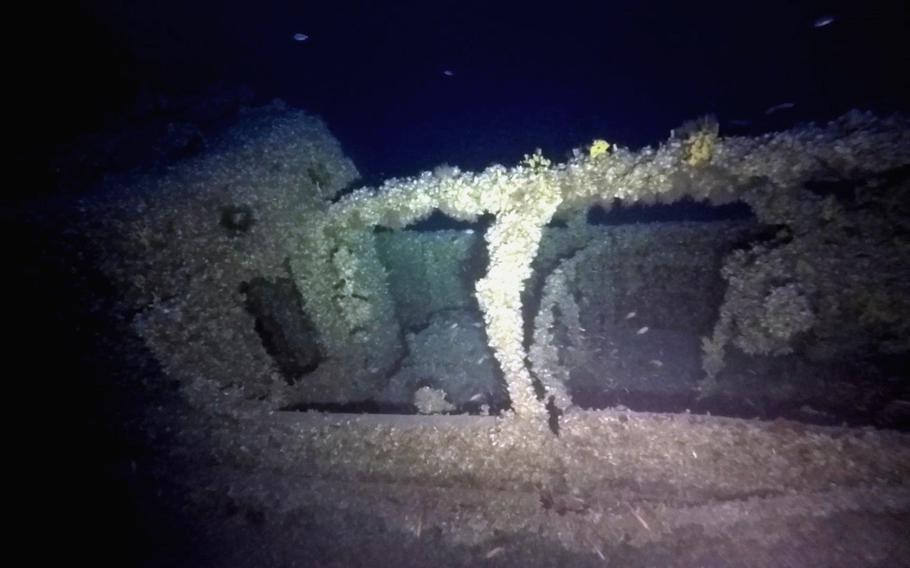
408, 85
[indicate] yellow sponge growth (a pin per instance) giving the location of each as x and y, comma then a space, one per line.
598, 148
700, 144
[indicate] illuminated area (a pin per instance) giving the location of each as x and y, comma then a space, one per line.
262, 300
525, 289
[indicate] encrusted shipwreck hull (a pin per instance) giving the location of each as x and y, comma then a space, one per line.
255, 290
634, 489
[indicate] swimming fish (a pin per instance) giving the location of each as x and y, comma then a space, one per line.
495, 552
822, 21
781, 106
301, 37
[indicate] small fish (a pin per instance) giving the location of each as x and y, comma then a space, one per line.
780, 107
642, 331
448, 72
638, 517
630, 315
657, 363
469, 231
301, 37
823, 21
476, 397
454, 325
495, 552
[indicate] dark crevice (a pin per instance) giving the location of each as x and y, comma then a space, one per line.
805, 411
553, 415
374, 407
287, 334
